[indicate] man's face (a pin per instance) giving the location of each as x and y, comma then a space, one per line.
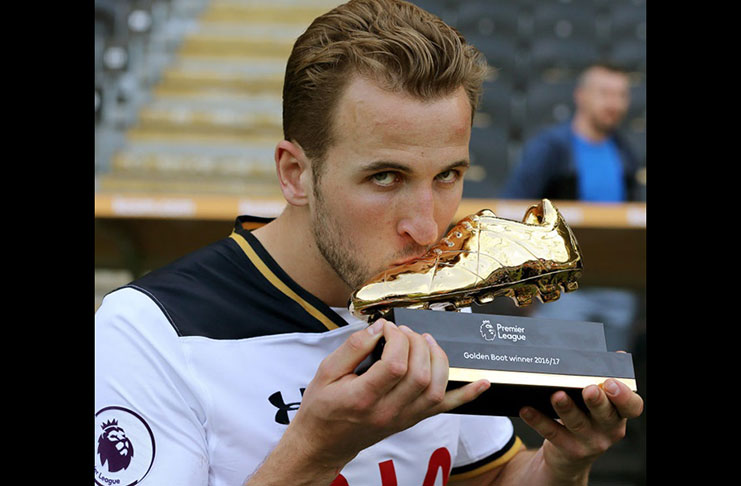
392, 181
604, 98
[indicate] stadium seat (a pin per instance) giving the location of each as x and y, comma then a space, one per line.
548, 103
565, 20
629, 53
552, 60
637, 99
98, 104
502, 55
627, 20
634, 125
564, 39
437, 7
627, 38
637, 140
493, 27
495, 106
489, 151
106, 14
490, 19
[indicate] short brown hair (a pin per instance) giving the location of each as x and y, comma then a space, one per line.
609, 66
392, 42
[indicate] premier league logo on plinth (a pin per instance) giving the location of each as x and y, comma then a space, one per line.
487, 331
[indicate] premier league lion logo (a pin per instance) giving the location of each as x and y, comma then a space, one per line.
114, 447
487, 331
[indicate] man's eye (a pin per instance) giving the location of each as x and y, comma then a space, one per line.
384, 178
448, 176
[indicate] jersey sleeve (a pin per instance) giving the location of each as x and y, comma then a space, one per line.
149, 415
485, 442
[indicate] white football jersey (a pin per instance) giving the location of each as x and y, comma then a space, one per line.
201, 365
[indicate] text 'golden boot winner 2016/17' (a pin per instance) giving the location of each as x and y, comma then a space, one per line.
481, 257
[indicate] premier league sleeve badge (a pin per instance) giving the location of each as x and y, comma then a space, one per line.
124, 447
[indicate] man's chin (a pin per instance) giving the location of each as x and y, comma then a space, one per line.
609, 126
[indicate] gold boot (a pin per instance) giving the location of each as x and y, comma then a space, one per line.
482, 257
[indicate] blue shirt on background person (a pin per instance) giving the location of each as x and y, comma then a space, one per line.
560, 164
585, 158
600, 172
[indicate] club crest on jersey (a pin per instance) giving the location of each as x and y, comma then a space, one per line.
281, 416
125, 448
114, 447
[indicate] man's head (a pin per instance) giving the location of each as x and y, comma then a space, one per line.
394, 43
378, 106
602, 97
392, 181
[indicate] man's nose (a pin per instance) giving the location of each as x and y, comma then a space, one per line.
419, 221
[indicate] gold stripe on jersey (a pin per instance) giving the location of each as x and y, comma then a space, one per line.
499, 461
278, 283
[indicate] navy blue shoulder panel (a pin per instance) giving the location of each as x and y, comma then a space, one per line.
217, 292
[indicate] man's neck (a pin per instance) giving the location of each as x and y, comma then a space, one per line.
290, 242
585, 129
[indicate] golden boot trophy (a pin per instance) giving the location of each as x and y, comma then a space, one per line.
481, 257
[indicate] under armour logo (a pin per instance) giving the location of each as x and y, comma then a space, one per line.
281, 416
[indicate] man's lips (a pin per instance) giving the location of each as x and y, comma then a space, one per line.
407, 260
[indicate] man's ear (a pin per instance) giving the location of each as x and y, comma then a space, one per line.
577, 95
294, 172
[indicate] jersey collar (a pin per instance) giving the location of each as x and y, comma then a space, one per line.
261, 259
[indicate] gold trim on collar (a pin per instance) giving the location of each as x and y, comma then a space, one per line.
278, 283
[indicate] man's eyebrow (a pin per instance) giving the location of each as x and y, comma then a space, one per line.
381, 165
460, 163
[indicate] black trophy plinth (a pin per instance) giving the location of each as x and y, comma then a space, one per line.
525, 359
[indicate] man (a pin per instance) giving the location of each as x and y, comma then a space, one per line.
585, 158
207, 360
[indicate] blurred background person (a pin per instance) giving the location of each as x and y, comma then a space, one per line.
586, 159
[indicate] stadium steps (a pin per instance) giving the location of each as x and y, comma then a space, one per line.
212, 120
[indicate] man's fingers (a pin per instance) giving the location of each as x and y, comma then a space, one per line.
627, 403
385, 373
582, 435
600, 407
573, 418
439, 369
450, 399
351, 353
460, 396
548, 428
418, 375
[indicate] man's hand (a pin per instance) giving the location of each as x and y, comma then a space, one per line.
342, 413
571, 446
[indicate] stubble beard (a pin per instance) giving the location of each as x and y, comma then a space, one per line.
606, 125
338, 249
605, 128
335, 246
